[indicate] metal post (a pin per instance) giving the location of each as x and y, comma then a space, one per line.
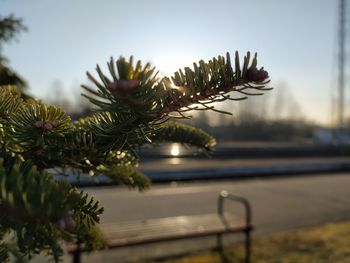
247, 246
77, 255
341, 64
248, 213
219, 246
220, 212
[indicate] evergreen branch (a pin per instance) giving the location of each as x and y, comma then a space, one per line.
126, 175
141, 81
10, 77
135, 98
4, 255
182, 133
83, 153
139, 93
37, 131
87, 209
113, 130
10, 101
40, 210
10, 26
91, 238
209, 81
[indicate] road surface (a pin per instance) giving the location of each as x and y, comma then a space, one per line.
286, 202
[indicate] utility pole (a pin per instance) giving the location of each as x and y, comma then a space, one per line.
341, 64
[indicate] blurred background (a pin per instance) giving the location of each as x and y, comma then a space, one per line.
300, 43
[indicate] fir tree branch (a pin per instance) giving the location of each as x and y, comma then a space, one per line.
140, 93
4, 255
37, 131
183, 133
40, 210
126, 175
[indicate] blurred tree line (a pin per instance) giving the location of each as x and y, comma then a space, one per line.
276, 116
10, 27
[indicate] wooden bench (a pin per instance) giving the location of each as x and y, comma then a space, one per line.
176, 228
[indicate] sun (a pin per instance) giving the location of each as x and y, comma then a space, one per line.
175, 149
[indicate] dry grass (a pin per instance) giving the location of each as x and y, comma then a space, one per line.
325, 244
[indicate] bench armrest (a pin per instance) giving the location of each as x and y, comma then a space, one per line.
226, 195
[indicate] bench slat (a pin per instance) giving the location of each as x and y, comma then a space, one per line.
153, 230
171, 228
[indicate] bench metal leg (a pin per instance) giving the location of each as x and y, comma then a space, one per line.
248, 216
76, 257
219, 242
247, 246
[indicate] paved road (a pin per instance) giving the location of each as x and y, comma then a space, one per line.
277, 204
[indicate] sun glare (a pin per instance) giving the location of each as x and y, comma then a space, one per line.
168, 63
175, 149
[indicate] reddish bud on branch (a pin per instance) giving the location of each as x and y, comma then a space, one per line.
49, 125
39, 124
124, 86
256, 75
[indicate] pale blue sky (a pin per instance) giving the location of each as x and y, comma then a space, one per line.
295, 40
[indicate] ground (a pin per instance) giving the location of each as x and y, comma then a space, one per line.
329, 243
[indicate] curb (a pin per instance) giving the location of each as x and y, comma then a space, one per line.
233, 173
